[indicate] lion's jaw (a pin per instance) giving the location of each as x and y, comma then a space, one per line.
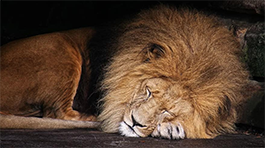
151, 112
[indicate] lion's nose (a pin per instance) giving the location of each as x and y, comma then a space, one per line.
135, 123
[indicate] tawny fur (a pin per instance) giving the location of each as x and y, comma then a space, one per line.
200, 64
40, 74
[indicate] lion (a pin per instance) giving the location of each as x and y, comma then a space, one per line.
176, 74
168, 72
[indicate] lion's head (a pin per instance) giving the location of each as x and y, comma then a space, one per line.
176, 74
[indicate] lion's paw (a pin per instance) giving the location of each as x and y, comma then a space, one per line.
169, 131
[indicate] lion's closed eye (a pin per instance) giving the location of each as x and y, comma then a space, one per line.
148, 94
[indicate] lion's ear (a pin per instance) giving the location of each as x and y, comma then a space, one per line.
153, 51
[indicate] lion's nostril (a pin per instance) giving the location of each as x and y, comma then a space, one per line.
135, 123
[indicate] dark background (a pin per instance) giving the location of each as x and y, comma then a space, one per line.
21, 19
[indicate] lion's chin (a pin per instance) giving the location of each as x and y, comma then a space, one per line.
128, 131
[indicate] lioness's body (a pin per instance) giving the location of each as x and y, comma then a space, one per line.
40, 74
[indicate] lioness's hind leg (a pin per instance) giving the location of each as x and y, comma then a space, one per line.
63, 110
61, 97
61, 87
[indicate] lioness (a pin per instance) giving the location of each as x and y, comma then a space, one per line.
171, 73
40, 76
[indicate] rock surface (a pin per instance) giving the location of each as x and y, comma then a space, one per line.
243, 6
96, 139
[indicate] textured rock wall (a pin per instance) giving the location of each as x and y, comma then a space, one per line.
246, 19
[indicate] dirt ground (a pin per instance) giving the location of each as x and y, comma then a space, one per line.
97, 139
